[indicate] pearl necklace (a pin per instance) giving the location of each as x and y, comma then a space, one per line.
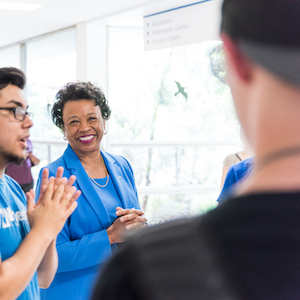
102, 186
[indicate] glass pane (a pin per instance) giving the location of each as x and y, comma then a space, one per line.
150, 164
162, 207
143, 86
51, 62
176, 98
10, 56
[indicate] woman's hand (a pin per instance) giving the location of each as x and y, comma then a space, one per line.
132, 218
128, 219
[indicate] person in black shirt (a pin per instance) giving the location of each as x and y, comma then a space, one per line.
248, 247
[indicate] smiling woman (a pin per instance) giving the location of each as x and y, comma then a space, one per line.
78, 118
108, 205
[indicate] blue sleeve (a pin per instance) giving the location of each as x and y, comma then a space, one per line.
235, 173
230, 180
77, 253
88, 251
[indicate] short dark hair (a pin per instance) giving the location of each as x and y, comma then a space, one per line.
74, 91
12, 76
267, 31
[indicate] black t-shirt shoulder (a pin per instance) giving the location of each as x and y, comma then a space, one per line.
172, 261
259, 234
257, 238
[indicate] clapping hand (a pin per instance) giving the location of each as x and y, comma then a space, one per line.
56, 203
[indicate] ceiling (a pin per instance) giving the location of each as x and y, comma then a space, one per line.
54, 15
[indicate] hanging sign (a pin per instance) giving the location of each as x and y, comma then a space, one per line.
187, 24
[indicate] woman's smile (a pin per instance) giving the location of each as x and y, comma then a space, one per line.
87, 138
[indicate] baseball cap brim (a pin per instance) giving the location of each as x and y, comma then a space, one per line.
282, 61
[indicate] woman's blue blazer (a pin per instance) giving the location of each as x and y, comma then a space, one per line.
83, 244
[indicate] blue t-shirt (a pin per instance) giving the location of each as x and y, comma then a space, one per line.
13, 227
235, 173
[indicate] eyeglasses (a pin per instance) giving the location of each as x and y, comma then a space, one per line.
19, 112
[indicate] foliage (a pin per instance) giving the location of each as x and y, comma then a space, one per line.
145, 109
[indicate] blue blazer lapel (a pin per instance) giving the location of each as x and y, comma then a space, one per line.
119, 179
84, 183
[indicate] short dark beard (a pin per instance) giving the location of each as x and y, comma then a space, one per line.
10, 158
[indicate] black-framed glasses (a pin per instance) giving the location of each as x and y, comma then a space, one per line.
19, 112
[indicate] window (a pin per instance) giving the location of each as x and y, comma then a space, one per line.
10, 56
176, 145
51, 62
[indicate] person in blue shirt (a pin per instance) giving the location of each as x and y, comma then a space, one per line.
236, 173
28, 256
108, 205
237, 157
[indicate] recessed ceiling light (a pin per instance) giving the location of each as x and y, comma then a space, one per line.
19, 6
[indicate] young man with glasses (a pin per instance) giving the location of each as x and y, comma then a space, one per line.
28, 256
248, 247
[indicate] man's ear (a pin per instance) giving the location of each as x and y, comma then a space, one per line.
237, 62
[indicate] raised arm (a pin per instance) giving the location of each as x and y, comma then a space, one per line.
48, 266
46, 220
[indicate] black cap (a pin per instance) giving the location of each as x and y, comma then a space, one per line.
268, 31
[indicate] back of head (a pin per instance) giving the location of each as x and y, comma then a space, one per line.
268, 32
12, 76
